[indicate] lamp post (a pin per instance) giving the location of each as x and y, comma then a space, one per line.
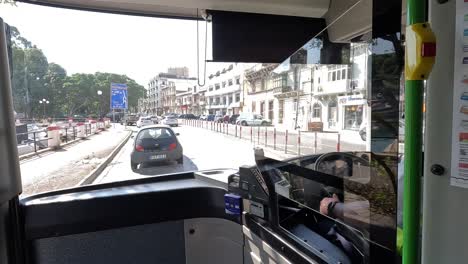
43, 102
99, 92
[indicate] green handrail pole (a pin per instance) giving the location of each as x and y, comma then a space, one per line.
414, 94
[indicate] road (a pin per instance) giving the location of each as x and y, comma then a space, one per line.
203, 150
211, 147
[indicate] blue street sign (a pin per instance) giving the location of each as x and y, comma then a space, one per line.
119, 96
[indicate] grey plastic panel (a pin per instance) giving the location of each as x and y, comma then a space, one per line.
213, 241
155, 243
445, 213
257, 251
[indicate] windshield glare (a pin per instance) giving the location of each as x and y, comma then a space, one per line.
88, 93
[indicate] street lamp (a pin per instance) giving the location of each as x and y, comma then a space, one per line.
99, 92
43, 102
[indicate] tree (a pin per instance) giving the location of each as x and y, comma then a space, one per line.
29, 68
54, 81
76, 94
34, 78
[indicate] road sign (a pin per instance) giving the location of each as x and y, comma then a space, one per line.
119, 96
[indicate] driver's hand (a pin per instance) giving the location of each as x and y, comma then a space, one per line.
325, 202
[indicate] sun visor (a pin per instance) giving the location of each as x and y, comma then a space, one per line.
260, 38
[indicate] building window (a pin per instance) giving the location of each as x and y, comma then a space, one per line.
217, 86
280, 81
353, 117
237, 97
338, 75
211, 100
334, 76
237, 80
210, 88
224, 100
262, 108
230, 82
316, 110
253, 107
343, 74
224, 84
280, 111
270, 110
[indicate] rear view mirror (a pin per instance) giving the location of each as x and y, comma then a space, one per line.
177, 134
132, 136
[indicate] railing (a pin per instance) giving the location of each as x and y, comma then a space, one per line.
38, 137
282, 89
292, 142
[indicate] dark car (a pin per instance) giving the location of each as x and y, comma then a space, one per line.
210, 118
155, 143
190, 116
233, 118
182, 116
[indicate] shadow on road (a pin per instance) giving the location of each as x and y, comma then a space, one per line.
157, 168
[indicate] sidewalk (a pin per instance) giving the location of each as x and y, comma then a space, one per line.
287, 143
65, 167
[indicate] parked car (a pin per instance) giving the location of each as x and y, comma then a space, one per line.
155, 119
170, 121
190, 116
250, 119
203, 117
219, 118
233, 118
384, 130
210, 118
156, 143
182, 116
144, 121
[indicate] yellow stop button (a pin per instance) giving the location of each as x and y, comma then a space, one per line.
420, 51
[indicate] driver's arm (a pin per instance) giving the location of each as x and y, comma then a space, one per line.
332, 207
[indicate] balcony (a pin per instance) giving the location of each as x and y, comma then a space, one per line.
282, 89
286, 92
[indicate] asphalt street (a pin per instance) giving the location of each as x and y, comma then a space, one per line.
217, 147
203, 150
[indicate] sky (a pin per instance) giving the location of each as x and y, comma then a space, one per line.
87, 42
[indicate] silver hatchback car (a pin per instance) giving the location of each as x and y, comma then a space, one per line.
156, 143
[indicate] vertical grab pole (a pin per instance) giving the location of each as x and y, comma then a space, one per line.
414, 89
